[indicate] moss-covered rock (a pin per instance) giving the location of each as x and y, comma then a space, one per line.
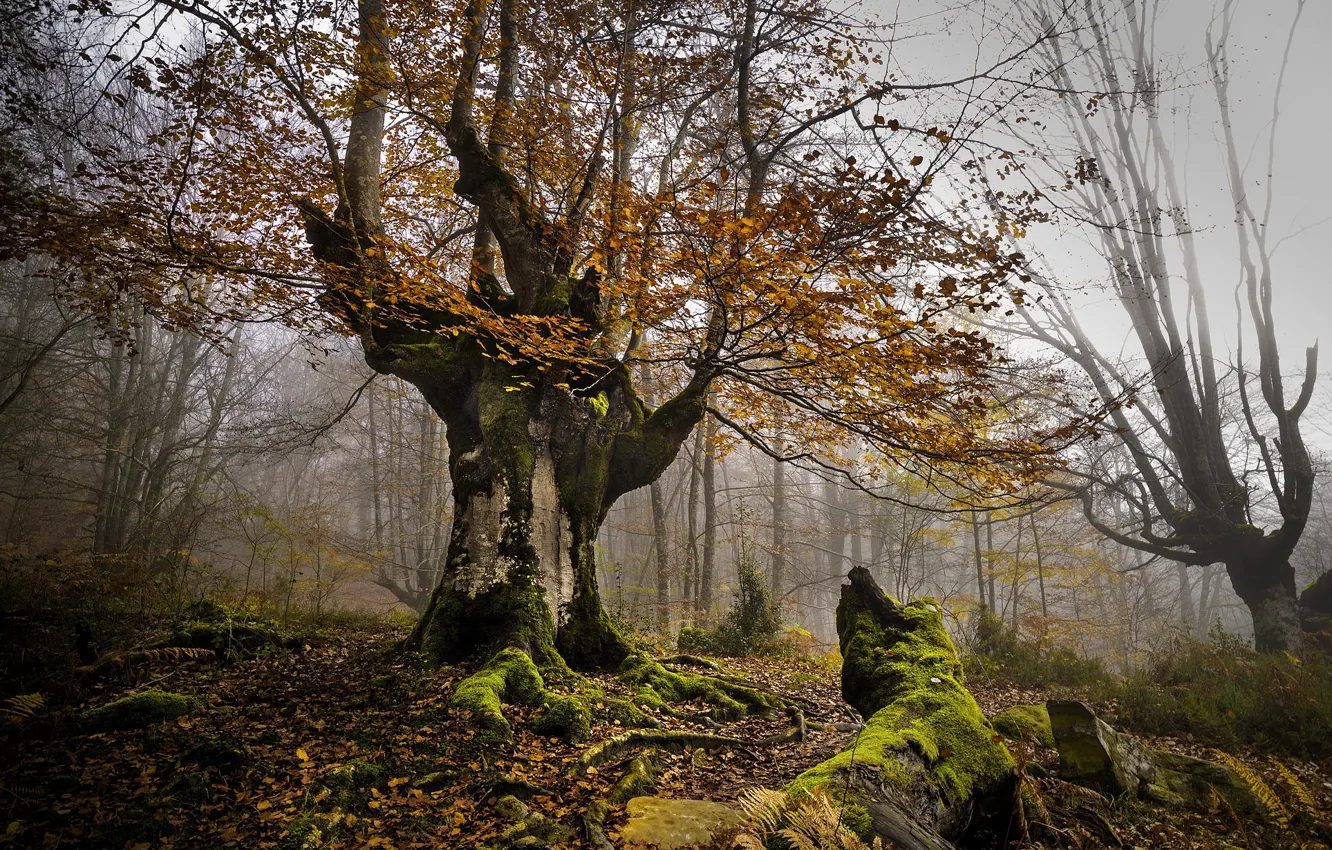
670, 823
1093, 754
1025, 723
137, 711
927, 763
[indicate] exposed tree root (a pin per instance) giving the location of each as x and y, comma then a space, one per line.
795, 734
674, 740
640, 777
656, 687
511, 677
690, 661
834, 727
614, 748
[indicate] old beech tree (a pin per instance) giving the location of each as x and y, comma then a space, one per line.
521, 208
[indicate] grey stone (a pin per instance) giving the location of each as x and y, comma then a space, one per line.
1094, 755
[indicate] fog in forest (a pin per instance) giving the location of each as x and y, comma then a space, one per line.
453, 425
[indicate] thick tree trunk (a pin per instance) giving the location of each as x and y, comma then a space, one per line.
707, 571
659, 549
1268, 591
535, 468
1185, 595
928, 769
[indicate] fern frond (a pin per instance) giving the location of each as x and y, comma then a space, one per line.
763, 810
172, 653
815, 823
1303, 795
20, 709
1275, 808
1079, 792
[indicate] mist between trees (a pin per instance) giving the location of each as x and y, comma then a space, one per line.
773, 330
280, 475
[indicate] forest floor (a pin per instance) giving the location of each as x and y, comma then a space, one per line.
353, 741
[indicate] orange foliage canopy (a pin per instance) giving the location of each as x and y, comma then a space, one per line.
729, 195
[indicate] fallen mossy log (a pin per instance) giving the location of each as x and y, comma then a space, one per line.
927, 769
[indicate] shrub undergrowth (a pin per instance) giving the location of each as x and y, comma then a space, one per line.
751, 627
1222, 692
997, 650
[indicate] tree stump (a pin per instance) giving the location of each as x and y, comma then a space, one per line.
927, 769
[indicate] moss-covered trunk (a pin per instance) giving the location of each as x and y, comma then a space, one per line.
927, 769
536, 463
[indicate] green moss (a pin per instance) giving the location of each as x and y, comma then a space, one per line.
623, 712
907, 679
1025, 722
858, 820
458, 627
357, 773
879, 661
505, 403
655, 686
565, 717
136, 711
508, 677
600, 403
307, 831
588, 638
647, 697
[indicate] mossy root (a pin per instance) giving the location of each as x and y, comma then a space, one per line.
656, 687
612, 748
509, 677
